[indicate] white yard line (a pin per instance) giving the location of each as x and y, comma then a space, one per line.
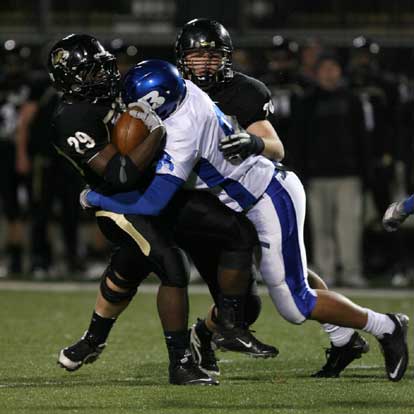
12, 285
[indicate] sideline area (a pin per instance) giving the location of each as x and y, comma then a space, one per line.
14, 285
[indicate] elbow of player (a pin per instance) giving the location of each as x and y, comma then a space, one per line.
279, 153
155, 212
122, 184
122, 174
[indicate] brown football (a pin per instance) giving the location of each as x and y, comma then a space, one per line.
128, 132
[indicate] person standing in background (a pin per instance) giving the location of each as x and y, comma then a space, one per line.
287, 90
309, 54
37, 156
382, 95
380, 102
13, 93
330, 133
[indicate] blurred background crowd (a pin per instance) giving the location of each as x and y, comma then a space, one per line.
341, 74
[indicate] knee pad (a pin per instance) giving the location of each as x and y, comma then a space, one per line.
113, 296
130, 263
296, 307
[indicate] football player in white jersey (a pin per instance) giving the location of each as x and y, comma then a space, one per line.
273, 199
203, 51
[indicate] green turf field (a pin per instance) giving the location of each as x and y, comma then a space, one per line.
131, 376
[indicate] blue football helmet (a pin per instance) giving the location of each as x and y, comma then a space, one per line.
157, 82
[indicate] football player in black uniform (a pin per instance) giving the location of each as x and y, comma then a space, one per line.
88, 76
204, 55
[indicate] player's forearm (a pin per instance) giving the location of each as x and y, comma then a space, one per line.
122, 203
273, 146
144, 154
151, 203
273, 149
124, 172
121, 173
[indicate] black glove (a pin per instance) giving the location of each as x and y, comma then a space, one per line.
241, 145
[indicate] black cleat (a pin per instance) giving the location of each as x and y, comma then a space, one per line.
85, 351
339, 357
187, 372
394, 347
242, 340
203, 353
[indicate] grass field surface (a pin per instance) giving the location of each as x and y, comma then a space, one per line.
131, 375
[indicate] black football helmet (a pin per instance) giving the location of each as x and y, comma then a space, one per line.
80, 66
210, 35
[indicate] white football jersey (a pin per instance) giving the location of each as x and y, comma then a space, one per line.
191, 153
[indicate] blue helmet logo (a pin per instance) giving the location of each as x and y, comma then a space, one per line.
157, 82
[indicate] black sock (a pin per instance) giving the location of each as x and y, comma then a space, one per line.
100, 327
202, 331
177, 344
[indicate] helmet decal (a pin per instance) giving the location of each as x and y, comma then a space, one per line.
60, 57
154, 99
203, 43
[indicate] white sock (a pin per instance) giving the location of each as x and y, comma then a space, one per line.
338, 335
378, 324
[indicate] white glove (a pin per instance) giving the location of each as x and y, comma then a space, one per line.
83, 200
394, 217
146, 114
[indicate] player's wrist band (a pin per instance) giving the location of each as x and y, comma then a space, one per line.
258, 144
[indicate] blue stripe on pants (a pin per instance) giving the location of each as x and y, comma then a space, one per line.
285, 209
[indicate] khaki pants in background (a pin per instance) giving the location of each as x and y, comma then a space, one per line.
336, 223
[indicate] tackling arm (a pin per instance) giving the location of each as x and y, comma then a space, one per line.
397, 213
151, 203
273, 147
260, 138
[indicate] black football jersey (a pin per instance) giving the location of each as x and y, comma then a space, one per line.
245, 98
82, 129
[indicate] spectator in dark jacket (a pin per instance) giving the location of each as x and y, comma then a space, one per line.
330, 138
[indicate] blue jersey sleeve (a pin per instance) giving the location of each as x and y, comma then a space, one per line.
408, 205
151, 203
